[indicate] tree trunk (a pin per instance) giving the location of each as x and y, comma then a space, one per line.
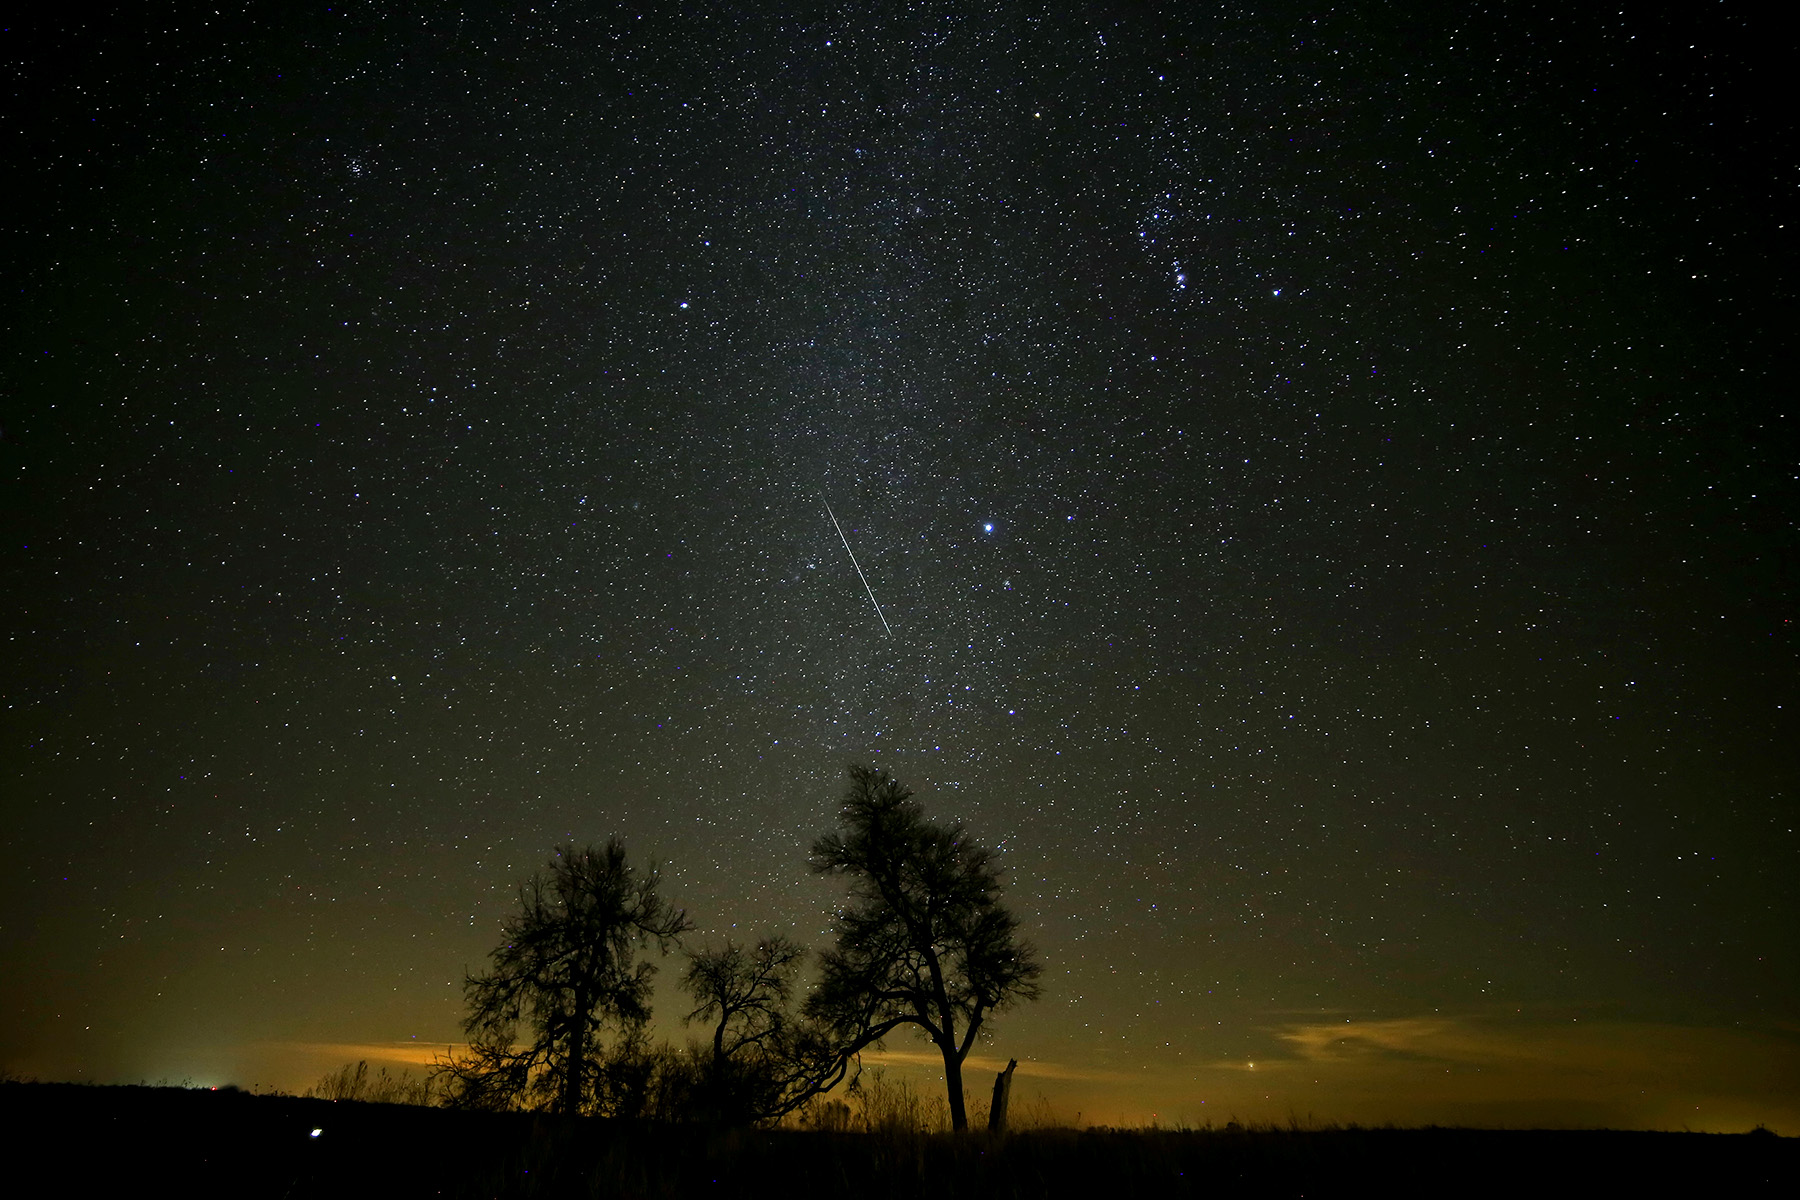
571, 1100
959, 1117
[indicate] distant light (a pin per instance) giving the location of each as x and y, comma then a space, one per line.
317, 1132
684, 302
989, 527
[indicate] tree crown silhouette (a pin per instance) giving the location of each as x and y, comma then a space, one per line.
567, 967
925, 941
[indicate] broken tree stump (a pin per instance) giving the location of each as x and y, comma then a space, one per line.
1002, 1094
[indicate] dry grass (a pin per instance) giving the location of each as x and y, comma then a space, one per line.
884, 1143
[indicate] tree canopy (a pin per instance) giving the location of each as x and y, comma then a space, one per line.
744, 992
925, 940
763, 1061
567, 967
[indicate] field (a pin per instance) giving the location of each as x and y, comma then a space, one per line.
80, 1140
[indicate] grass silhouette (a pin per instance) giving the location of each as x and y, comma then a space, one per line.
232, 1141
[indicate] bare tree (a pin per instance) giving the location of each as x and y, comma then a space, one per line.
925, 941
765, 1060
745, 992
568, 967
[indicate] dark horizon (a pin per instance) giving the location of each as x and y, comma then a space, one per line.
1326, 475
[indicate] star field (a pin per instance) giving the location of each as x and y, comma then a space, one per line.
1328, 472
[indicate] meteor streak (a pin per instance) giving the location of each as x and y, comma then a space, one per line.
857, 565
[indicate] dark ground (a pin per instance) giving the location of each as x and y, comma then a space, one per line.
67, 1139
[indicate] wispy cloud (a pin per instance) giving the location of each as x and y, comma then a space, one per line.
975, 1063
406, 1053
1613, 1049
1519, 1068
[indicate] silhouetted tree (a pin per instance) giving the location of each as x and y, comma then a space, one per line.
925, 941
765, 1060
568, 966
745, 993
645, 1081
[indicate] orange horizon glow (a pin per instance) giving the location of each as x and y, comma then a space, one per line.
1486, 1070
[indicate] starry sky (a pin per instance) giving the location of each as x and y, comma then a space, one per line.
1326, 470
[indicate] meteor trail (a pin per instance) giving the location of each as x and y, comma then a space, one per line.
857, 565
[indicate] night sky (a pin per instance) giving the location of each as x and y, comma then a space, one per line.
1328, 470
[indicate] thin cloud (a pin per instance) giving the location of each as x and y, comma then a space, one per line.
1617, 1049
1503, 1069
1028, 1068
406, 1053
